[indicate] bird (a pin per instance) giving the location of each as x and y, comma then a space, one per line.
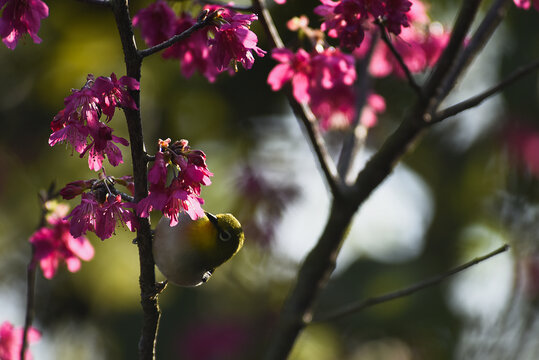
188, 253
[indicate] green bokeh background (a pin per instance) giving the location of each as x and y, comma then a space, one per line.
95, 313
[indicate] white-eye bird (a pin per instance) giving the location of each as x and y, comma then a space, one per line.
188, 253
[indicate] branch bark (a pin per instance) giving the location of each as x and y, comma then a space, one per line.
133, 62
320, 262
479, 98
358, 306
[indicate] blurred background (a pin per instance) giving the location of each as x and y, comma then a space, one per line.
469, 187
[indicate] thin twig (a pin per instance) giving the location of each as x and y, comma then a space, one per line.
354, 140
230, 6
447, 59
302, 111
360, 305
202, 22
477, 42
31, 272
400, 60
97, 2
478, 99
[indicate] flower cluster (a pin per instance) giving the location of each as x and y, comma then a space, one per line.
79, 122
218, 47
347, 20
419, 45
20, 17
11, 341
183, 192
321, 79
324, 78
55, 243
526, 4
101, 208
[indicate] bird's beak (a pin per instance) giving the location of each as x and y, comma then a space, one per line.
212, 218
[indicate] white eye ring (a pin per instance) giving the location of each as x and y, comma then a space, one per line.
224, 235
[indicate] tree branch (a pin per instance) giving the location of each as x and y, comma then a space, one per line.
302, 111
133, 61
31, 272
230, 6
411, 81
354, 140
477, 42
203, 20
360, 305
97, 2
320, 262
478, 99
447, 59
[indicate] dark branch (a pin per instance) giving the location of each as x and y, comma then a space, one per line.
97, 2
201, 23
358, 306
477, 42
399, 59
31, 272
447, 59
354, 140
478, 99
228, 6
150, 308
302, 111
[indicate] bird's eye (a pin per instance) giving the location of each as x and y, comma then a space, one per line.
224, 236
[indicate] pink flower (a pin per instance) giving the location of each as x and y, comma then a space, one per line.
112, 211
280, 2
156, 22
523, 144
525, 4
79, 122
101, 216
395, 17
419, 50
347, 20
323, 80
292, 67
233, 42
182, 198
83, 216
103, 146
11, 341
334, 107
332, 96
113, 93
374, 106
75, 188
20, 17
183, 193
55, 244
193, 52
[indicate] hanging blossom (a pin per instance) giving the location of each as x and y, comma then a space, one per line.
347, 20
79, 122
322, 79
101, 208
183, 193
419, 45
54, 244
526, 4
11, 341
21, 17
212, 50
